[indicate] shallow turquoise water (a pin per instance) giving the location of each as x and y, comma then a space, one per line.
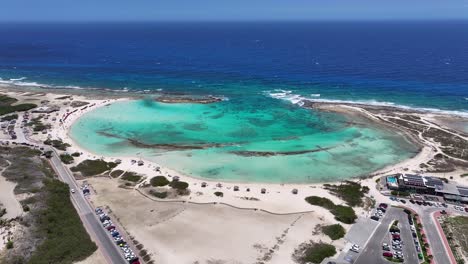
220, 139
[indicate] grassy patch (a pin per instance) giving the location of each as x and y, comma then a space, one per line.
9, 117
131, 176
350, 192
116, 173
160, 195
335, 231
93, 167
66, 240
58, 144
464, 175
159, 181
6, 106
66, 158
344, 214
456, 231
313, 252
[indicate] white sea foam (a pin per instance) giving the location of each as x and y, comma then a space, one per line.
299, 100
315, 95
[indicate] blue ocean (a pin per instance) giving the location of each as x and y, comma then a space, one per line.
414, 64
262, 70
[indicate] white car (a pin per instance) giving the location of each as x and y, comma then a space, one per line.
72, 190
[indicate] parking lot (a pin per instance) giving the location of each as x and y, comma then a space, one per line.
373, 252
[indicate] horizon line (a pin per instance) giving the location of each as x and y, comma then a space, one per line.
241, 21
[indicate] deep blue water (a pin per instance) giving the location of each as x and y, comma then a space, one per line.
417, 64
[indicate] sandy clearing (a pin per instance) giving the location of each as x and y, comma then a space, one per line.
8, 198
186, 233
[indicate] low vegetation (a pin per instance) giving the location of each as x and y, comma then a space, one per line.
37, 124
349, 191
66, 240
219, 194
93, 167
3, 211
50, 228
9, 117
131, 177
58, 144
313, 252
66, 158
344, 214
6, 106
116, 173
76, 154
159, 181
464, 175
456, 231
160, 195
335, 231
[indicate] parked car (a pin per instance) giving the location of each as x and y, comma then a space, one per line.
412, 201
375, 218
383, 205
388, 254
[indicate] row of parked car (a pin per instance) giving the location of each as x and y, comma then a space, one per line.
379, 212
397, 245
119, 241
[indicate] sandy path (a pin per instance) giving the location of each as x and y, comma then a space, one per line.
8, 199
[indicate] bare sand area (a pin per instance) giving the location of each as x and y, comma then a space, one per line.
187, 233
8, 199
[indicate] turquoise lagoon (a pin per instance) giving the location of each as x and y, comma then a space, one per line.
259, 140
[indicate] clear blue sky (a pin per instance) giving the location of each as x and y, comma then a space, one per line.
201, 10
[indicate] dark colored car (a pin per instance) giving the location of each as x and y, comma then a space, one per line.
115, 234
111, 227
387, 254
396, 237
374, 218
383, 205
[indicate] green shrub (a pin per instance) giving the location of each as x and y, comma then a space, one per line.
351, 192
320, 201
179, 185
6, 106
335, 231
159, 181
66, 240
66, 158
116, 173
76, 154
9, 117
3, 212
219, 194
317, 252
160, 195
131, 177
342, 213
93, 167
58, 144
9, 244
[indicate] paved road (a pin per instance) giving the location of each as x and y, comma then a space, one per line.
372, 253
103, 239
110, 250
435, 241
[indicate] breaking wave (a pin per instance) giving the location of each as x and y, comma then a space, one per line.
297, 99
